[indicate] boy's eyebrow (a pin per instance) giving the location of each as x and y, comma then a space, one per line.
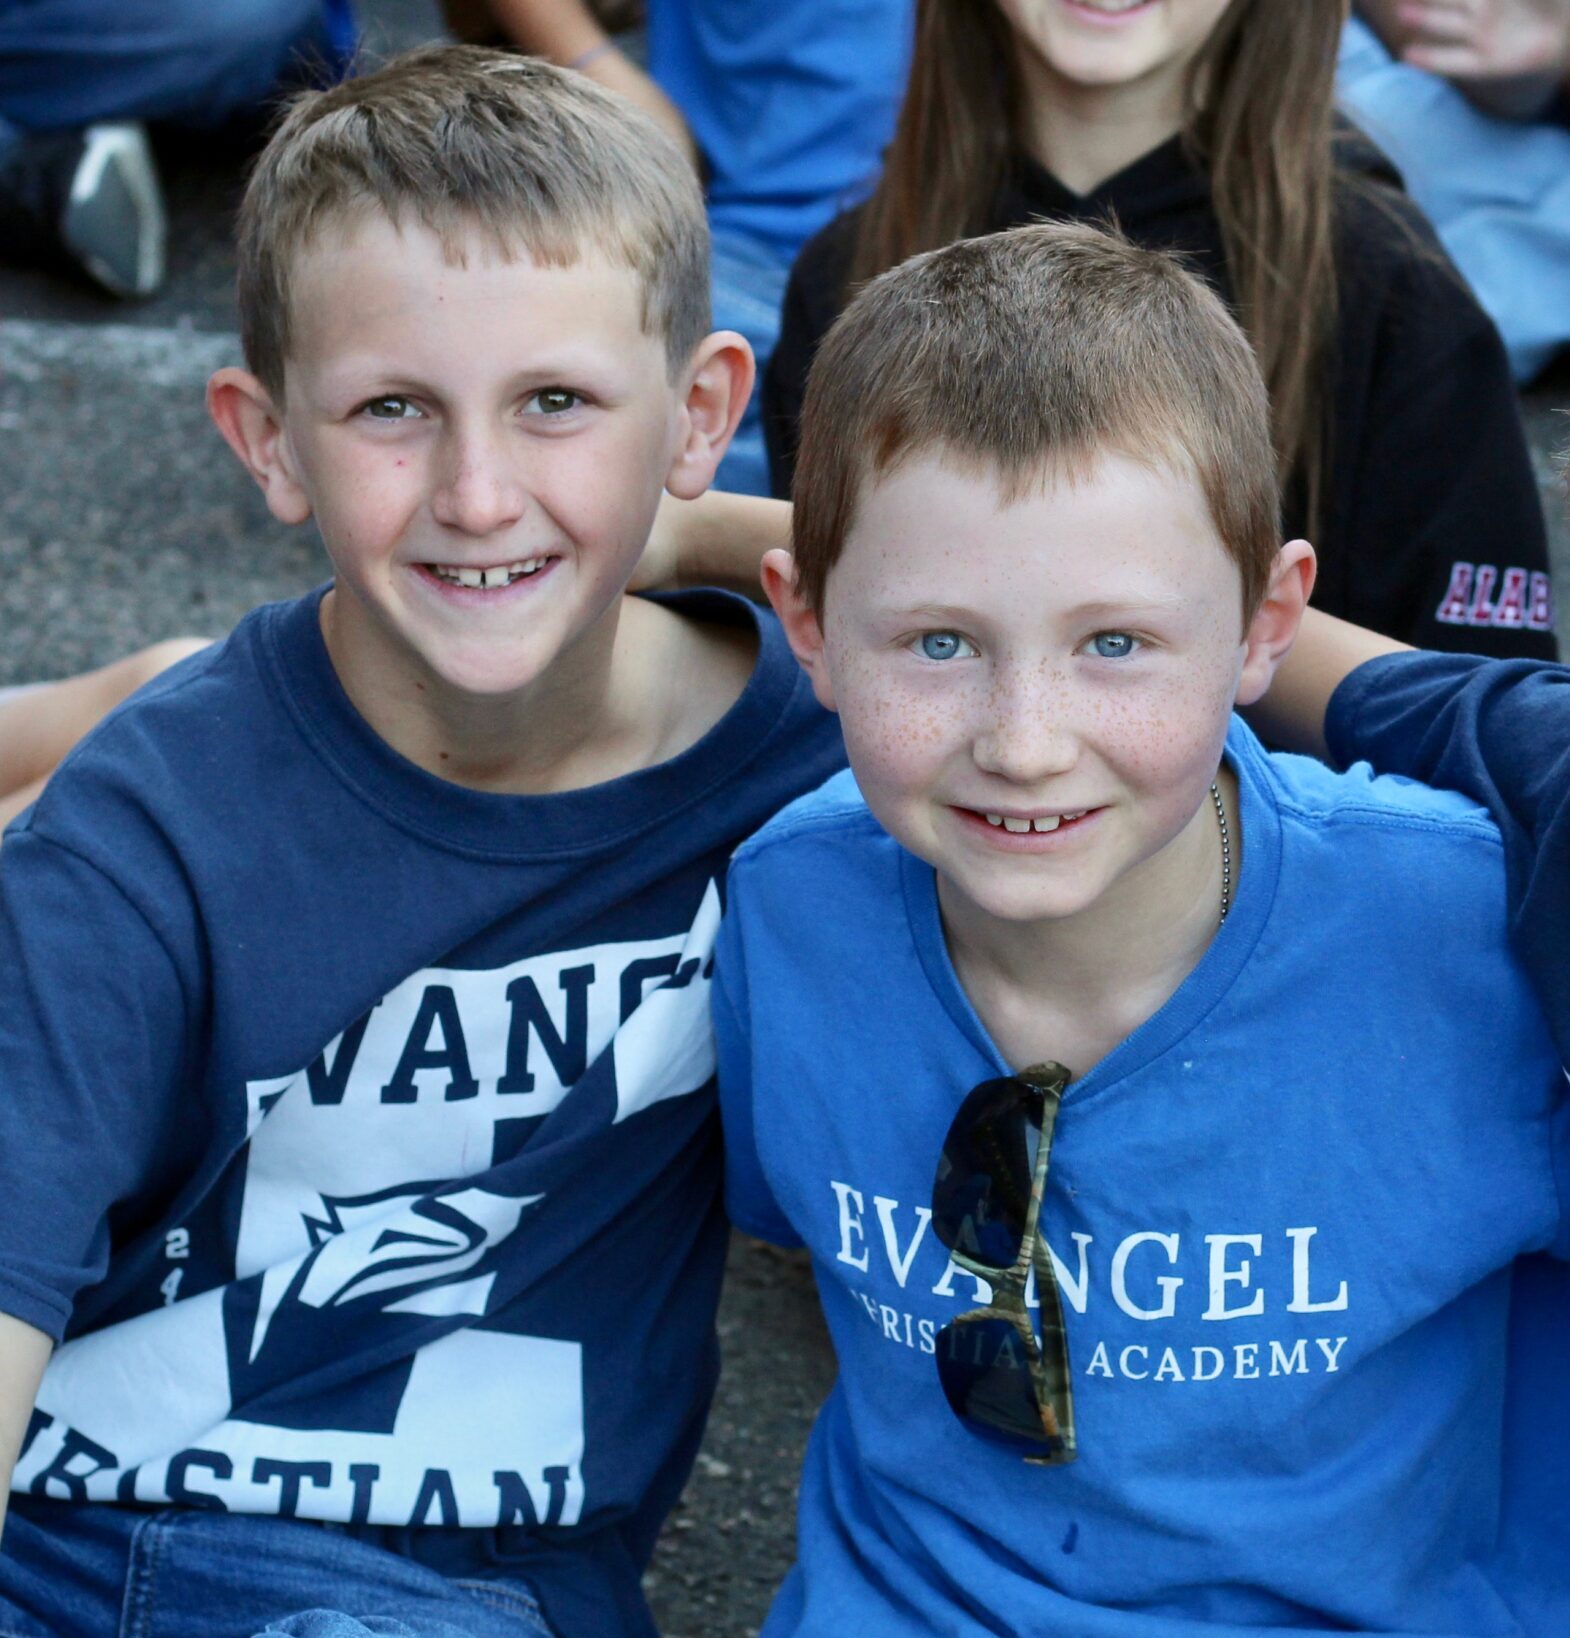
565, 366
1092, 609
1107, 608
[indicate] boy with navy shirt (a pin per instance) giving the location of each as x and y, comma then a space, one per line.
1249, 1375
358, 1139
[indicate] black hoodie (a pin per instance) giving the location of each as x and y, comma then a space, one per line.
1433, 530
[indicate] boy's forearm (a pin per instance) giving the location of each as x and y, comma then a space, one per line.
1327, 650
24, 1351
720, 538
568, 33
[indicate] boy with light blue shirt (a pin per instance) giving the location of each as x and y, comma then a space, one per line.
1250, 1373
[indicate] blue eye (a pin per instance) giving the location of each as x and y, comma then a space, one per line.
945, 645
393, 407
1113, 645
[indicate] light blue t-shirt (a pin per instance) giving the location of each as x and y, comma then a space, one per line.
1284, 1214
1497, 190
791, 102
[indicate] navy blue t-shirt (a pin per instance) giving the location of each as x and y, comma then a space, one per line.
358, 1131
1498, 731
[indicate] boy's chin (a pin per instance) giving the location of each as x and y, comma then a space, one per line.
1016, 905
483, 680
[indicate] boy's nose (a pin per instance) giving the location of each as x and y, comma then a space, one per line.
479, 489
1024, 734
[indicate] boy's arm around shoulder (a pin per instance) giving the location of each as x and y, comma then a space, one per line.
1326, 651
1498, 731
716, 540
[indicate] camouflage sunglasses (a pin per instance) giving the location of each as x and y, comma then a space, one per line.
1002, 1383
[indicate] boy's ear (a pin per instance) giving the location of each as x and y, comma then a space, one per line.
243, 411
719, 383
803, 631
1271, 632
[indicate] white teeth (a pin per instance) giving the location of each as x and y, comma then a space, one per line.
1019, 826
488, 579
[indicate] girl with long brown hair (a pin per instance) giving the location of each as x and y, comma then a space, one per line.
1207, 126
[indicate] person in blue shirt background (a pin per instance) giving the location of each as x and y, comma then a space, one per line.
786, 106
79, 80
1482, 139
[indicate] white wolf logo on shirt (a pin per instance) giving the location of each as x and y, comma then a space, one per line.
399, 1240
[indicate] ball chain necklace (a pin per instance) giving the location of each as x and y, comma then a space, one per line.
1226, 850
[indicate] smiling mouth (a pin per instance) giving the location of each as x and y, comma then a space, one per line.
1020, 827
490, 579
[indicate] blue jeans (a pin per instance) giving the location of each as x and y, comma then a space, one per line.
66, 63
749, 287
109, 1572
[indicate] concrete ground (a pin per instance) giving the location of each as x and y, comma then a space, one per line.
122, 519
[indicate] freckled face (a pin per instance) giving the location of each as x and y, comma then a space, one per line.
1035, 696
483, 446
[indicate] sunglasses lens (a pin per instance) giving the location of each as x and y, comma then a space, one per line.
982, 1195
985, 1368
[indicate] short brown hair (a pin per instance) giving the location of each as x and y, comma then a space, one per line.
457, 137
1034, 350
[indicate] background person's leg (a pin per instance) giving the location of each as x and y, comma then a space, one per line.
79, 78
71, 63
748, 289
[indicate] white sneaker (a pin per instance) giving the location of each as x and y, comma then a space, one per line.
113, 222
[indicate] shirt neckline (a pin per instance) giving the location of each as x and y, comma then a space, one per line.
517, 827
1218, 969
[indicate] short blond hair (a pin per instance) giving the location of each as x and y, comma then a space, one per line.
1029, 352
455, 138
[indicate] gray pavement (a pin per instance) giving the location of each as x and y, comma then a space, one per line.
123, 519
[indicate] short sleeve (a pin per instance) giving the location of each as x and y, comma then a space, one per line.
93, 1030
1499, 732
749, 1200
